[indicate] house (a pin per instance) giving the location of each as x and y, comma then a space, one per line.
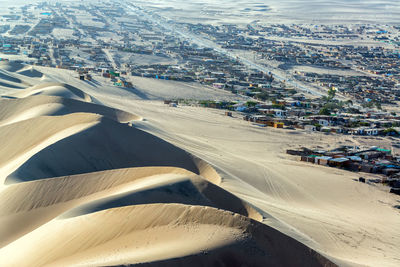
338, 162
240, 107
310, 128
354, 158
340, 130
366, 167
258, 119
323, 122
390, 171
280, 113
325, 129
371, 131
311, 158
322, 160
353, 166
218, 85
371, 155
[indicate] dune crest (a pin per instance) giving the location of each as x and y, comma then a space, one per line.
15, 110
54, 89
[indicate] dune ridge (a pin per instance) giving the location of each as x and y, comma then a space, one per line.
81, 185
54, 89
14, 110
160, 233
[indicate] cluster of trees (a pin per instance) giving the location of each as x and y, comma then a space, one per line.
372, 103
332, 104
390, 131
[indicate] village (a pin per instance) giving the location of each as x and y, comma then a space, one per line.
337, 79
291, 110
373, 159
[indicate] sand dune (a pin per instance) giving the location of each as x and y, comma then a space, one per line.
20, 75
11, 66
18, 69
158, 232
87, 193
14, 110
53, 89
44, 131
103, 146
9, 78
82, 185
30, 71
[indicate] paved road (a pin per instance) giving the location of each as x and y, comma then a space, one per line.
110, 58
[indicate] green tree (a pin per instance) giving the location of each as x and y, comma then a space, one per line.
331, 93
324, 111
390, 131
251, 104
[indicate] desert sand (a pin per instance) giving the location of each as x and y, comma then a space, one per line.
277, 11
92, 175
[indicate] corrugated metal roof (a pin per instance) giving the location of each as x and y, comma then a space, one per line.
339, 160
324, 157
354, 158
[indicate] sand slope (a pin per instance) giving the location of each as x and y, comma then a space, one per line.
158, 232
354, 224
82, 185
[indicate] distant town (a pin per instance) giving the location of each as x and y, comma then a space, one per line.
341, 79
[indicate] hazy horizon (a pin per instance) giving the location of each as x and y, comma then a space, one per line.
304, 11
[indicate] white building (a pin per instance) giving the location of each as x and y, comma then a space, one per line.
323, 122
